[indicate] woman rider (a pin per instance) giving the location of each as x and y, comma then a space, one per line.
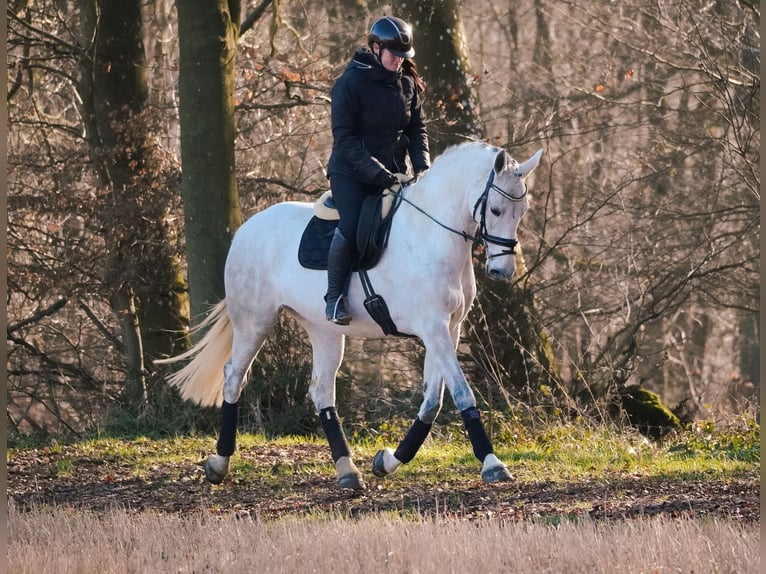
376, 123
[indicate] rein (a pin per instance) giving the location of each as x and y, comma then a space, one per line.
483, 237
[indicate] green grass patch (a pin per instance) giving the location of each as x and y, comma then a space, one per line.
733, 442
554, 453
64, 467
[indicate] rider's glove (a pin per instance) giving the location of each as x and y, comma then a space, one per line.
419, 174
386, 179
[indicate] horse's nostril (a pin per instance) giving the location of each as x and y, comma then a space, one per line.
500, 273
496, 274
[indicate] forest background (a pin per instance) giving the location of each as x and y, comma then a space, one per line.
640, 254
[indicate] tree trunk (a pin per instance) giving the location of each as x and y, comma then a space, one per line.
341, 42
208, 32
140, 269
441, 53
750, 356
136, 392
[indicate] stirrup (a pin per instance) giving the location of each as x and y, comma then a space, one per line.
336, 311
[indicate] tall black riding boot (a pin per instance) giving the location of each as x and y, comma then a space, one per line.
339, 262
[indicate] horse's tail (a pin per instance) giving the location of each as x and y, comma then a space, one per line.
202, 379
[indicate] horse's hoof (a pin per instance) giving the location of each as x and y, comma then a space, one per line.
211, 475
378, 466
352, 482
499, 473
215, 475
348, 475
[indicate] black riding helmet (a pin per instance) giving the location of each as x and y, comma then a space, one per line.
394, 34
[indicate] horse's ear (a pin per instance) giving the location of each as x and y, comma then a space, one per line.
526, 168
501, 161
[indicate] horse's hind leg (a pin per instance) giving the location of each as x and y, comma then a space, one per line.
327, 355
245, 346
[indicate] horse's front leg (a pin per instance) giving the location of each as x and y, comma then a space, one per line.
328, 354
493, 469
387, 460
441, 360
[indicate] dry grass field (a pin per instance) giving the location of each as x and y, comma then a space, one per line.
64, 541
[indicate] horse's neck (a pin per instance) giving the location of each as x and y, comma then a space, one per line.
441, 217
450, 196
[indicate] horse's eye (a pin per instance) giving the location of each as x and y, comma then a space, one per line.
495, 211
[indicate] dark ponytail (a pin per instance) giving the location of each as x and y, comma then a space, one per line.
409, 68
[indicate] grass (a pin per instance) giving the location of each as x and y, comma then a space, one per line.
563, 453
559, 539
578, 452
555, 453
142, 453
64, 467
64, 541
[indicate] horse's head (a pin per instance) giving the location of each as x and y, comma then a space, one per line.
499, 211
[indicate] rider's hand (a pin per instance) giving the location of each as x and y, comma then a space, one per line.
386, 179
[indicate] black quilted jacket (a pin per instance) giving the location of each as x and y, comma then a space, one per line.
376, 121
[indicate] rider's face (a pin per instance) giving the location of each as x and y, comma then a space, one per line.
390, 62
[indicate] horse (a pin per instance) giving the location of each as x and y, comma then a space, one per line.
474, 192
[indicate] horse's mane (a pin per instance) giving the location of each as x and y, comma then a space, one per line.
460, 147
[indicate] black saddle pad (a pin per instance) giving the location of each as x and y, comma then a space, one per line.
315, 243
372, 237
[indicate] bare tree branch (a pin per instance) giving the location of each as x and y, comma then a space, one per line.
254, 16
41, 314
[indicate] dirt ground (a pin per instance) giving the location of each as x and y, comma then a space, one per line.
290, 482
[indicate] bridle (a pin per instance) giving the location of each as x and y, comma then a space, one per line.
481, 204
483, 237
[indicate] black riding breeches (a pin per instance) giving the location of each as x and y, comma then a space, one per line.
348, 195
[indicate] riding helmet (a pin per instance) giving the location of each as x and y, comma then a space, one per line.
393, 34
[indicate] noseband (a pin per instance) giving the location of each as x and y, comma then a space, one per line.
483, 237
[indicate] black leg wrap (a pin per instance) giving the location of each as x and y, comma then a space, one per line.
476, 433
411, 443
228, 437
334, 433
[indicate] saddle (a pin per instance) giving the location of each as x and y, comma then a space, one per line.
371, 241
371, 237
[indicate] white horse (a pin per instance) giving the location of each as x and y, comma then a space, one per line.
473, 192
